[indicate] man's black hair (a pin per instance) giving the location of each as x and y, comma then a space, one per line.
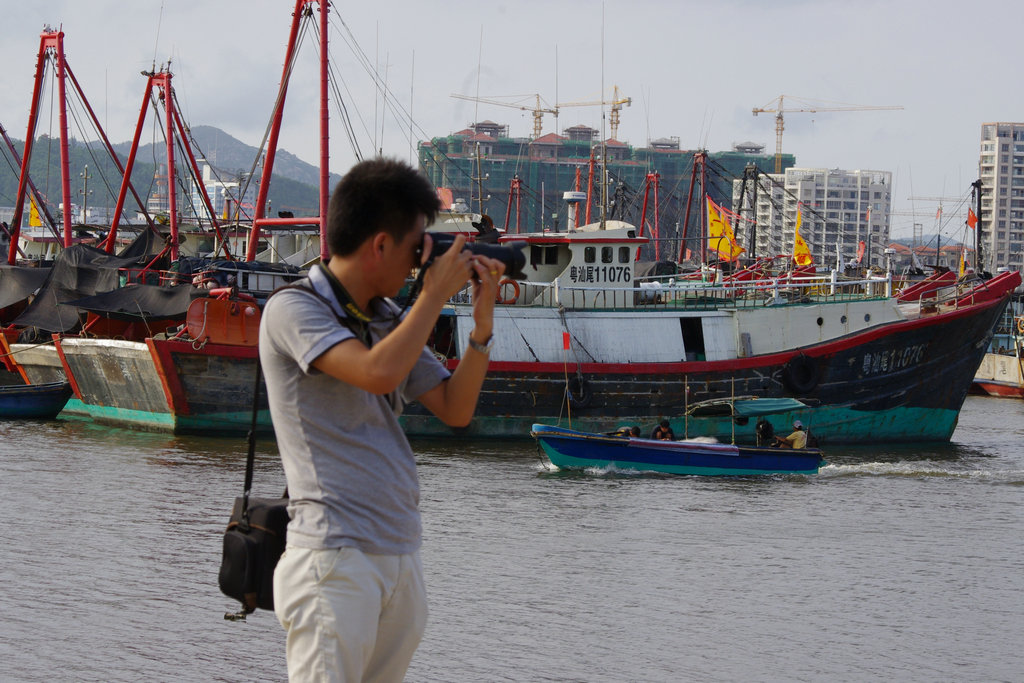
377, 195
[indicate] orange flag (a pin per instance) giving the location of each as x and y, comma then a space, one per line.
972, 219
720, 235
801, 252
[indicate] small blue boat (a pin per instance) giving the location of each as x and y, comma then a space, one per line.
569, 449
33, 400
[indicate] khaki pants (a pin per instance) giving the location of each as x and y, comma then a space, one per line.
350, 617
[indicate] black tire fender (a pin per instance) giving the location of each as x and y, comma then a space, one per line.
580, 394
801, 374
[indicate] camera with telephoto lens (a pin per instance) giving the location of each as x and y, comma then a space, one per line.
511, 253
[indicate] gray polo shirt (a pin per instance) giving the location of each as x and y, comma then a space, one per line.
351, 473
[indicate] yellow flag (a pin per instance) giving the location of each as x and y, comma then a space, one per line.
720, 236
801, 252
33, 214
963, 261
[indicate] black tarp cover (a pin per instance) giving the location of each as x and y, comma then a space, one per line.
18, 282
643, 269
140, 302
78, 271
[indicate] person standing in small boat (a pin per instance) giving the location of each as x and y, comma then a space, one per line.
798, 439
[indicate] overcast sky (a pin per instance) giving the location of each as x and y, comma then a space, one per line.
694, 70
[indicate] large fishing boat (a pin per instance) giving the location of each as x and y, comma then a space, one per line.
866, 364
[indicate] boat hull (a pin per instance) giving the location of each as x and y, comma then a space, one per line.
569, 449
165, 385
1001, 375
897, 381
903, 381
34, 400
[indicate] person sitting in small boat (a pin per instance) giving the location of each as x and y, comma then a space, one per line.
765, 432
798, 439
627, 431
663, 432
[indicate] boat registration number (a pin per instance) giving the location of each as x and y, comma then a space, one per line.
600, 273
892, 360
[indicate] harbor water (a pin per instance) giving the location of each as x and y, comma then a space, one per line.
893, 563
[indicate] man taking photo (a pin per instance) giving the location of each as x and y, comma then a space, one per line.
340, 363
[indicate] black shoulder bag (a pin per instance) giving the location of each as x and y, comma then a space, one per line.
255, 538
256, 534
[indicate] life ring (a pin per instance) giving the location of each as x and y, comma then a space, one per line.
501, 298
801, 374
579, 392
1020, 325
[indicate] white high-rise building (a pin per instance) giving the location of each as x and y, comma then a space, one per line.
1002, 200
839, 210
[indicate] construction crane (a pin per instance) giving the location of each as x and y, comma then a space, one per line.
616, 106
538, 110
804, 106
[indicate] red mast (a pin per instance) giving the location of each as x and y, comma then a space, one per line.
698, 159
514, 190
576, 187
303, 8
590, 184
51, 43
652, 181
161, 82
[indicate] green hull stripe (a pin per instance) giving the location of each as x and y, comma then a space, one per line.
830, 424
212, 424
571, 462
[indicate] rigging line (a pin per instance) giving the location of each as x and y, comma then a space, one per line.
180, 178
90, 150
390, 97
279, 101
515, 324
565, 326
213, 169
49, 143
154, 126
346, 118
333, 78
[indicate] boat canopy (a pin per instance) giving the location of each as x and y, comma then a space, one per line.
745, 406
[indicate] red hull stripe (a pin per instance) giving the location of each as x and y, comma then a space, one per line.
775, 359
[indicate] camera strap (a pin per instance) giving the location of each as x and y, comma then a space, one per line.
356, 320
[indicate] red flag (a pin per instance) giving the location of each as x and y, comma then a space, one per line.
938, 213
565, 341
972, 220
861, 247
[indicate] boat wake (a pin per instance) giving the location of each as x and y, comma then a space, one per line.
921, 469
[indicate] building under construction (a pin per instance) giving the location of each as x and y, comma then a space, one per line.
520, 182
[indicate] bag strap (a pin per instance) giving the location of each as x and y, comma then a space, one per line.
361, 332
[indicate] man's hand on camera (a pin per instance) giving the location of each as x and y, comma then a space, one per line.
449, 271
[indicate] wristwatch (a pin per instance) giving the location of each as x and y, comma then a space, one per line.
484, 348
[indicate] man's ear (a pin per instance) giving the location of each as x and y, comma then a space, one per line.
378, 241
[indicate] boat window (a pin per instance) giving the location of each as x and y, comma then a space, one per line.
543, 255
624, 254
606, 254
589, 254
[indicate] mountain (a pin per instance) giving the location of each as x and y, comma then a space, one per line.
231, 156
294, 187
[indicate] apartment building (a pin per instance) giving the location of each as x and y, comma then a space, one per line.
1002, 201
839, 210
